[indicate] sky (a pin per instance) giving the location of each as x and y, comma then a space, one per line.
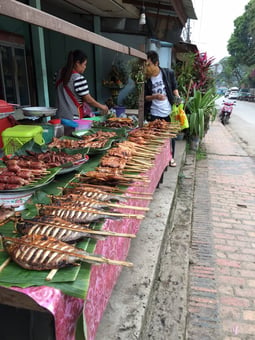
215, 25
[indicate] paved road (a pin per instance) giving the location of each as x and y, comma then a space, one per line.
242, 124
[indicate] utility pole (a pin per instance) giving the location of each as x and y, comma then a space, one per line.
188, 32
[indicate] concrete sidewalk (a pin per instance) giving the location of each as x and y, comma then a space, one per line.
125, 313
222, 276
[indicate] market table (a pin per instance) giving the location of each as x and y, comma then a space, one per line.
66, 309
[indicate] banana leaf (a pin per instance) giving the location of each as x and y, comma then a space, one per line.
31, 146
120, 132
121, 135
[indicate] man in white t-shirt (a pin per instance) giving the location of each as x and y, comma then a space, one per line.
160, 92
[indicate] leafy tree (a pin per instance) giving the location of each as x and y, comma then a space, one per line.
241, 45
232, 74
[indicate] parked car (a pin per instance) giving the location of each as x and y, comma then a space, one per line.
233, 95
244, 94
226, 94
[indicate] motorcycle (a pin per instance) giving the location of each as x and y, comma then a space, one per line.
226, 111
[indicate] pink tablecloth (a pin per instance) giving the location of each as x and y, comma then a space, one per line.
66, 309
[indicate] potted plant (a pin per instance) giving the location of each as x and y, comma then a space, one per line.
117, 79
200, 109
137, 75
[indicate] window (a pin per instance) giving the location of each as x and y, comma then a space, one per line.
13, 73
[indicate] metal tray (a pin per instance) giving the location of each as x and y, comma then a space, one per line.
39, 111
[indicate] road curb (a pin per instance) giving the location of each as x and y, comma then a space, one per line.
166, 317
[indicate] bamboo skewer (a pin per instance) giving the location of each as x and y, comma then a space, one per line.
126, 172
143, 154
51, 274
141, 177
140, 161
88, 257
140, 167
145, 149
135, 167
5, 264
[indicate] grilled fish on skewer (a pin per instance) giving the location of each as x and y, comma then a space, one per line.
74, 215
38, 252
65, 233
61, 229
82, 215
103, 192
94, 193
78, 201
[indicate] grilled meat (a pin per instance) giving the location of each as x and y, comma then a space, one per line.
120, 151
108, 170
113, 162
100, 177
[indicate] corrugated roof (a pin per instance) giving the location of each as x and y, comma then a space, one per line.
190, 11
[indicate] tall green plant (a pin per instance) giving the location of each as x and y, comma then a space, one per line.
194, 72
200, 110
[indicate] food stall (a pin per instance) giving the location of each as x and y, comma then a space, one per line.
107, 194
74, 296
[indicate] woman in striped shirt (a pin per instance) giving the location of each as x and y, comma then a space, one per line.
73, 95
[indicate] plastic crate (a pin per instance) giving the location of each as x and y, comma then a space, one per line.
15, 137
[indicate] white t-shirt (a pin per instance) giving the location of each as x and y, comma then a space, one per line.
160, 108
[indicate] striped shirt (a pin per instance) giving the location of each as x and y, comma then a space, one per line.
79, 87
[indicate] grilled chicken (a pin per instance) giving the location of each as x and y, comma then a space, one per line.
36, 252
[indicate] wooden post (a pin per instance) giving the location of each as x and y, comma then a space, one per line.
141, 107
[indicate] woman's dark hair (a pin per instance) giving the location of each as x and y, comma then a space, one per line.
153, 56
73, 57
